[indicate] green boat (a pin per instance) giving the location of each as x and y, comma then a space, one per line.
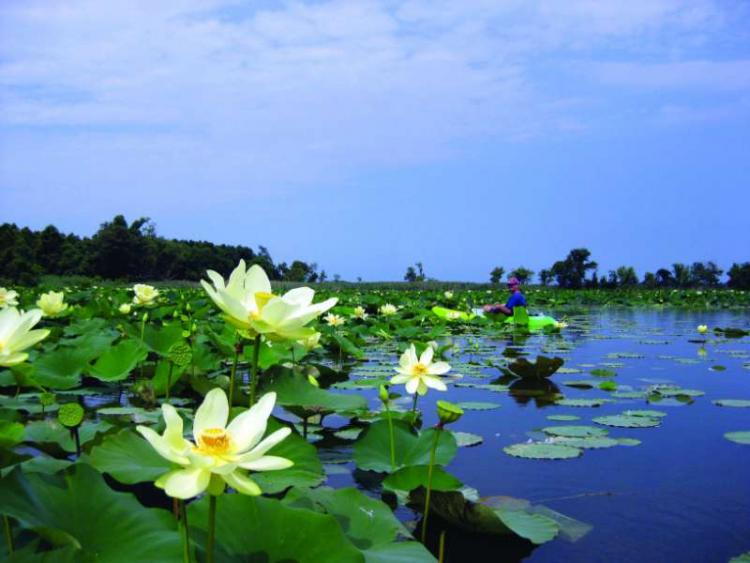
520, 318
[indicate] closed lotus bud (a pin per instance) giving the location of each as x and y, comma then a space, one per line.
703, 329
313, 381
383, 393
448, 412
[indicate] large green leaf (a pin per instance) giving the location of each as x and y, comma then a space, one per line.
414, 476
160, 339
294, 390
11, 433
307, 470
61, 368
52, 432
78, 509
117, 362
128, 457
372, 451
264, 529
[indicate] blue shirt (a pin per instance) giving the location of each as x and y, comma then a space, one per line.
516, 300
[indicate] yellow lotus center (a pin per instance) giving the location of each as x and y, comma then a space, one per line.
214, 441
419, 369
261, 299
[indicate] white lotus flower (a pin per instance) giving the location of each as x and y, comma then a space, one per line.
16, 334
124, 308
388, 309
248, 304
311, 342
419, 374
145, 294
448, 294
8, 298
334, 320
359, 312
52, 303
219, 452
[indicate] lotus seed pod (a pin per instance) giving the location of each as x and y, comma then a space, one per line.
70, 415
448, 412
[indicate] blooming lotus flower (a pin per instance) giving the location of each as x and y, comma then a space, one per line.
419, 374
359, 312
144, 294
52, 303
561, 325
8, 297
702, 329
219, 452
448, 294
311, 342
248, 304
334, 320
124, 308
16, 334
388, 309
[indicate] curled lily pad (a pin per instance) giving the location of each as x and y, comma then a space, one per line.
739, 437
575, 431
625, 421
542, 451
737, 403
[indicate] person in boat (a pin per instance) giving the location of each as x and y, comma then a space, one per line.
516, 299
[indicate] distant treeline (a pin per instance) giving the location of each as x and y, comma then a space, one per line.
134, 251
573, 273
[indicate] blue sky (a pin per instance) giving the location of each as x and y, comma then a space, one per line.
369, 135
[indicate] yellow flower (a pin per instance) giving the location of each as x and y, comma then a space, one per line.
311, 342
334, 320
124, 308
561, 325
419, 374
145, 294
8, 297
448, 294
248, 304
388, 309
51, 303
16, 334
702, 329
219, 452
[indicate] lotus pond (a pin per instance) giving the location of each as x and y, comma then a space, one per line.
621, 434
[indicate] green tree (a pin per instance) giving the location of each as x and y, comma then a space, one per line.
739, 276
523, 274
681, 274
705, 274
496, 275
571, 272
545, 276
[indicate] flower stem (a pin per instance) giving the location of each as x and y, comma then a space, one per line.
438, 431
441, 548
185, 533
211, 528
169, 378
233, 373
414, 408
390, 432
254, 374
8, 534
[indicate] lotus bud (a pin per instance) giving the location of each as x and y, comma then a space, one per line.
313, 381
702, 329
383, 393
448, 412
124, 308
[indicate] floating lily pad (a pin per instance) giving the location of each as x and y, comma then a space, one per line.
580, 402
740, 437
629, 394
563, 417
580, 383
624, 421
601, 372
348, 433
478, 406
675, 391
591, 442
542, 451
575, 431
467, 439
646, 413
738, 403
628, 441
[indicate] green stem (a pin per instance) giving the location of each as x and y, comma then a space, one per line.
211, 528
390, 432
414, 407
438, 431
185, 533
169, 378
441, 548
254, 374
232, 375
8, 534
143, 332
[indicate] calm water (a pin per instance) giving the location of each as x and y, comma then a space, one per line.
682, 495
